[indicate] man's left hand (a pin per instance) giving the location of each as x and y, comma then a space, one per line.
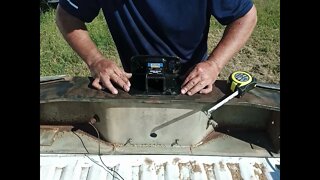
201, 78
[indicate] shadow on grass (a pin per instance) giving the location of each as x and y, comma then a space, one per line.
46, 6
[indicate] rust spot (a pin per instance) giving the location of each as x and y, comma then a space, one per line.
48, 136
148, 161
261, 173
159, 167
235, 171
181, 165
209, 170
56, 127
195, 167
221, 165
211, 136
175, 161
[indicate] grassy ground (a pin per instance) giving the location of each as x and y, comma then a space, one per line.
260, 56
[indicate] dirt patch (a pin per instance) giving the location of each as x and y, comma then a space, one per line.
195, 167
260, 171
148, 161
209, 170
235, 171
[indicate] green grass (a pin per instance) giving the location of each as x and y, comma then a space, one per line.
260, 56
57, 57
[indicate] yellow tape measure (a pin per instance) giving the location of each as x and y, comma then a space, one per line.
241, 81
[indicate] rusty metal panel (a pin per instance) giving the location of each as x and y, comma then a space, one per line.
149, 167
239, 148
47, 135
159, 124
138, 123
78, 89
69, 140
156, 119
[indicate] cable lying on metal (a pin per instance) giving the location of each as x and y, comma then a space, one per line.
105, 167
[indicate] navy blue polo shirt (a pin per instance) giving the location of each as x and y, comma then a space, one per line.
159, 27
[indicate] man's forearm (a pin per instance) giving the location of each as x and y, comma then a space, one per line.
235, 36
105, 73
75, 33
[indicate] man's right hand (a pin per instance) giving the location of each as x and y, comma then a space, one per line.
109, 74
104, 71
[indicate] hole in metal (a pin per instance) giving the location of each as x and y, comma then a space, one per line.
96, 117
154, 135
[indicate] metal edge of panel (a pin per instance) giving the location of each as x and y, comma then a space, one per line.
53, 78
53, 139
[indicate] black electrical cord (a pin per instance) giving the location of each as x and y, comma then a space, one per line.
100, 154
105, 167
89, 157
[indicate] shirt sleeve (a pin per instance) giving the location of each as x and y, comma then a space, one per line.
227, 11
85, 10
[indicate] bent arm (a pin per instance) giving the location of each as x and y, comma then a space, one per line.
235, 36
75, 33
204, 74
104, 71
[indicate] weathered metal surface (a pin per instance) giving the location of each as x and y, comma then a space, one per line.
53, 78
170, 126
269, 86
149, 167
152, 119
78, 88
47, 135
71, 140
154, 125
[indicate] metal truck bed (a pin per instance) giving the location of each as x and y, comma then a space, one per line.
162, 137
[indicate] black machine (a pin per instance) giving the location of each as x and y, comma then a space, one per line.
155, 75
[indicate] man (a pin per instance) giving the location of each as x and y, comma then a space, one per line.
158, 27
